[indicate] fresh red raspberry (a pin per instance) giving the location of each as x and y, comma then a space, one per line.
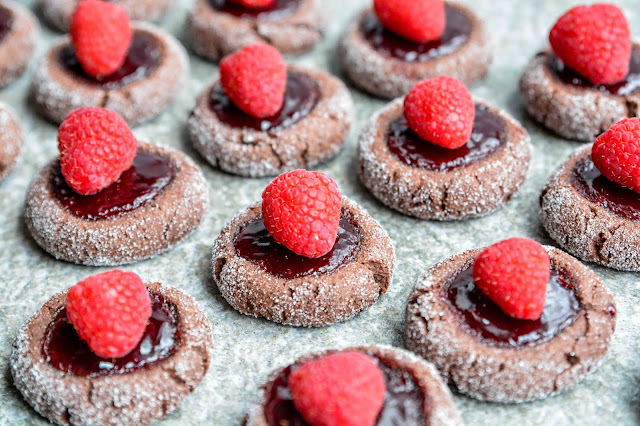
514, 273
440, 110
254, 4
110, 312
301, 211
96, 146
101, 36
616, 153
255, 78
416, 20
595, 41
345, 389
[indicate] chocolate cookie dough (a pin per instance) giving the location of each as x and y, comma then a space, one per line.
301, 140
416, 395
474, 184
488, 369
153, 74
19, 32
309, 299
385, 65
131, 397
218, 27
572, 107
135, 234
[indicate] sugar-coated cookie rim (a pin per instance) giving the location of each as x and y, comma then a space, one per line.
490, 372
428, 194
333, 297
254, 153
137, 397
129, 238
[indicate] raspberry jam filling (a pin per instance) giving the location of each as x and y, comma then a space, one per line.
6, 21
138, 186
456, 33
598, 189
300, 97
66, 351
630, 85
489, 131
280, 9
402, 402
254, 243
143, 58
487, 320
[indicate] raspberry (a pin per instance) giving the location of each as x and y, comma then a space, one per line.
417, 20
101, 35
514, 273
345, 389
254, 4
254, 78
616, 153
440, 110
96, 146
595, 41
110, 312
301, 211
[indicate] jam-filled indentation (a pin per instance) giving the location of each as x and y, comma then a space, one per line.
301, 96
279, 9
142, 60
485, 319
596, 188
456, 34
136, 187
65, 350
253, 242
628, 86
489, 132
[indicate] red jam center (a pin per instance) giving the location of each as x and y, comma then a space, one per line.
6, 21
488, 134
300, 97
254, 243
627, 87
402, 402
600, 190
138, 186
144, 56
456, 33
66, 351
279, 9
487, 320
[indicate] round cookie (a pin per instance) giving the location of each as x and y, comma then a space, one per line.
137, 97
136, 397
303, 142
19, 31
587, 229
381, 74
468, 190
486, 370
135, 235
217, 28
58, 12
428, 394
11, 140
310, 300
567, 104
